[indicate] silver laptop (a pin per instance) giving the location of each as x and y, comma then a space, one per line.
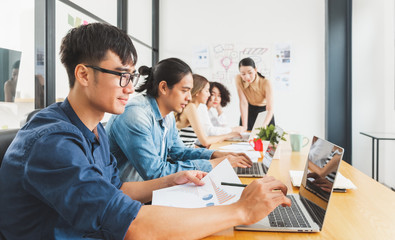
260, 169
309, 207
246, 136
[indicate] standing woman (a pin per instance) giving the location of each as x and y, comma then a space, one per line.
255, 94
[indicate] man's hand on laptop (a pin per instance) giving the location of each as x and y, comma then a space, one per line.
235, 159
258, 199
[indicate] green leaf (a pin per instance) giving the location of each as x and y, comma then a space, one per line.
268, 133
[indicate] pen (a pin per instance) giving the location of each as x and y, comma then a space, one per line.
234, 184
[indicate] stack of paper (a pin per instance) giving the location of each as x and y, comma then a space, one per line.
341, 182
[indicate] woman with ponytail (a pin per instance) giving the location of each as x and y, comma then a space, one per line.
144, 139
255, 94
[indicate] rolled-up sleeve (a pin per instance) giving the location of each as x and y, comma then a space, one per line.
179, 152
84, 193
133, 134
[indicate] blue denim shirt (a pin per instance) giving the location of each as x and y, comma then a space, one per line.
58, 181
141, 139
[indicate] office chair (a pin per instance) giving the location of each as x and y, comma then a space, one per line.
6, 137
29, 116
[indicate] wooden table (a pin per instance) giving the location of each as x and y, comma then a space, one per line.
367, 212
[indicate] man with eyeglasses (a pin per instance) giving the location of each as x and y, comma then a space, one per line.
58, 179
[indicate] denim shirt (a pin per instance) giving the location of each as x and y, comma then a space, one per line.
141, 140
59, 181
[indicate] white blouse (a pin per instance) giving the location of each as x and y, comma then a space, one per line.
208, 126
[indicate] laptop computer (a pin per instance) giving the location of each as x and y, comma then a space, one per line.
260, 169
246, 136
309, 207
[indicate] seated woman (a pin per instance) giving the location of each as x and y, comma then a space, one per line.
191, 128
212, 116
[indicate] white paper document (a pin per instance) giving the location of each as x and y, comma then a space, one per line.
210, 194
238, 147
341, 182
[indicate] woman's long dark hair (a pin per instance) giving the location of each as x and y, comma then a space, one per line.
248, 62
225, 94
170, 70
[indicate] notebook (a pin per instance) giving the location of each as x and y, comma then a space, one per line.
260, 169
246, 136
309, 207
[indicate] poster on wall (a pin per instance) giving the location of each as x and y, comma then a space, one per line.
282, 66
200, 57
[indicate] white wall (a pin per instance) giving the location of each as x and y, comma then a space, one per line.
373, 84
185, 24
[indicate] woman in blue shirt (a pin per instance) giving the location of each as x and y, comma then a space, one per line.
145, 140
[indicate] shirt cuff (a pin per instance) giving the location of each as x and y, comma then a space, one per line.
206, 154
203, 165
120, 213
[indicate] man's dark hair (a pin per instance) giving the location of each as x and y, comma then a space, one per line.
225, 94
170, 70
89, 44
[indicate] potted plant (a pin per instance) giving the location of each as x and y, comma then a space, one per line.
267, 136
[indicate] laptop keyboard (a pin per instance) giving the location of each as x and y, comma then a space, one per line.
288, 216
254, 169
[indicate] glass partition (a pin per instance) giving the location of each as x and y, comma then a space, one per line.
16, 62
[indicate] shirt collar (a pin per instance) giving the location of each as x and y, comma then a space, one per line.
66, 107
158, 116
155, 108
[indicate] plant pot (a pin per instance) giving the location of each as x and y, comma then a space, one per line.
257, 144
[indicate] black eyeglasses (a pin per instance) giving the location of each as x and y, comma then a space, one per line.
125, 77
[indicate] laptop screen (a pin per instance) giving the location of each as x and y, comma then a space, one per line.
271, 149
320, 172
260, 119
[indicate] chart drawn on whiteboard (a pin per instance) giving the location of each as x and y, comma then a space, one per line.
226, 58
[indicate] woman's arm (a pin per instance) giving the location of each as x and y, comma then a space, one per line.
191, 114
243, 107
269, 102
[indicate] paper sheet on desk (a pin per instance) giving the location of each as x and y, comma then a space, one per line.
237, 147
210, 194
341, 182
